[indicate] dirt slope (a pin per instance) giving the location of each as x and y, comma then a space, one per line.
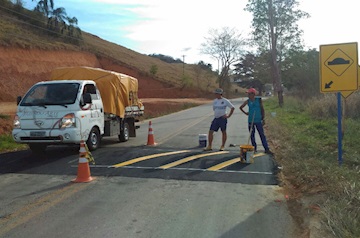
21, 68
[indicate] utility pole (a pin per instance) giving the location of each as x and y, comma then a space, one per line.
183, 64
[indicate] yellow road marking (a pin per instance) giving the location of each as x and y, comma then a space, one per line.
187, 159
230, 162
258, 155
224, 164
133, 161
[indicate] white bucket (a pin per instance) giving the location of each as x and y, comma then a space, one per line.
202, 140
247, 153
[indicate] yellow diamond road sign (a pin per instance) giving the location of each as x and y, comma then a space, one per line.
338, 67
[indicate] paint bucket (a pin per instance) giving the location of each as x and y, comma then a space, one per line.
247, 154
202, 140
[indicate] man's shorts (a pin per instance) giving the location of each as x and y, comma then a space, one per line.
218, 123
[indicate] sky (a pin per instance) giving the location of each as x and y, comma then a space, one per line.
177, 28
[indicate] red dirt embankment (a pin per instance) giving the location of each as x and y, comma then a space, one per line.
21, 68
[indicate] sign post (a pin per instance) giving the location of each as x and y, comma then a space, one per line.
339, 73
339, 129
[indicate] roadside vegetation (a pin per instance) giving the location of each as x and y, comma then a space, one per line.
304, 136
7, 143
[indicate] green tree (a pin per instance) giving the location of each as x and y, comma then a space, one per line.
204, 66
244, 70
225, 45
73, 30
262, 67
57, 20
275, 30
301, 73
253, 71
45, 6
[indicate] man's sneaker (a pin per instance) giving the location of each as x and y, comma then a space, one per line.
222, 148
269, 152
207, 148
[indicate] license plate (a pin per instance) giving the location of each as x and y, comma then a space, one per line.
37, 133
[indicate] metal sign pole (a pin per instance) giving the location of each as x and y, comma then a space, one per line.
339, 129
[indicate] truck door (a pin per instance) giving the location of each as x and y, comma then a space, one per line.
96, 107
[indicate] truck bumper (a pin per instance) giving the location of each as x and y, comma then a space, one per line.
55, 136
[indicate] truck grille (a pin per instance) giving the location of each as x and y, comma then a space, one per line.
49, 138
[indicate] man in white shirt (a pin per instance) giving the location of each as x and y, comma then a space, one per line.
220, 105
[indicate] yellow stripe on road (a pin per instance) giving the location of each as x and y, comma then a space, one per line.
230, 162
133, 161
224, 164
190, 158
258, 155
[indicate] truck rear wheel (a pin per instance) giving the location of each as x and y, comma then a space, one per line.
93, 142
37, 148
124, 133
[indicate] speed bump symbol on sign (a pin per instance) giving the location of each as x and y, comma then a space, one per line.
338, 66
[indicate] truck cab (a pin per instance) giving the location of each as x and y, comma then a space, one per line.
59, 112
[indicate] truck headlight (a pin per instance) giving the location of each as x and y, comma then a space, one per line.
17, 123
68, 120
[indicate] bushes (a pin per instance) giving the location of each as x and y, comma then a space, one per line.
306, 148
326, 106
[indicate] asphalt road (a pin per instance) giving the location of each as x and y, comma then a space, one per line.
172, 189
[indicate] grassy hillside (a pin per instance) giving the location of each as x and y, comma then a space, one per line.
18, 29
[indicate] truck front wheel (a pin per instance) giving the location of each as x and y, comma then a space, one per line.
124, 133
93, 142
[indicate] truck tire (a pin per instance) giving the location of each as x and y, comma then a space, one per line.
124, 133
93, 142
37, 148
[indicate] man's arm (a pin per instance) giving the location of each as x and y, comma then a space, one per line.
231, 112
242, 107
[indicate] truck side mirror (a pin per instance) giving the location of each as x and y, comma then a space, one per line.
18, 100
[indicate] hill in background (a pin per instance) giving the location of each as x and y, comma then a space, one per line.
29, 53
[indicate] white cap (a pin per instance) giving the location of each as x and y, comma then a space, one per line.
218, 91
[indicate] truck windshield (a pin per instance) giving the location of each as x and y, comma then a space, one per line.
51, 94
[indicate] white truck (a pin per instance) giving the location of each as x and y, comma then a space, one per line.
78, 104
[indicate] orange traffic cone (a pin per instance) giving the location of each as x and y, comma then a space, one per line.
83, 174
151, 140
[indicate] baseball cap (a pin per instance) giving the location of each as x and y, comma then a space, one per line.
251, 90
218, 91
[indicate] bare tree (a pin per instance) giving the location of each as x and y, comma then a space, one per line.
275, 30
226, 46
